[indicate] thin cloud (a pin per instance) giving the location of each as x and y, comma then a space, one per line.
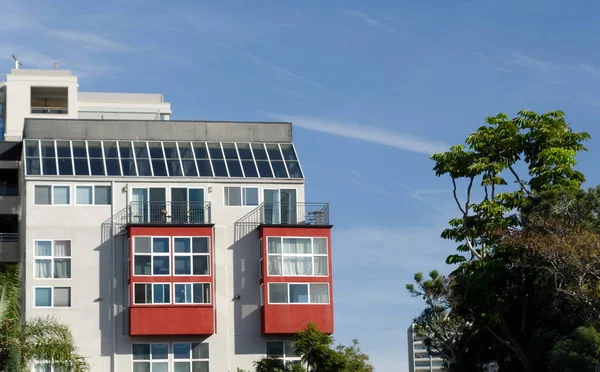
371, 21
515, 59
373, 189
88, 40
587, 69
365, 133
277, 69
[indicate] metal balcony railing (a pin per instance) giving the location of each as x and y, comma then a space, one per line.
288, 214
9, 237
49, 110
164, 213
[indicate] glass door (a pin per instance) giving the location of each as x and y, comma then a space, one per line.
179, 208
271, 207
158, 205
196, 205
288, 207
139, 205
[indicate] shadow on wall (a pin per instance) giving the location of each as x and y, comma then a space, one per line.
112, 272
246, 285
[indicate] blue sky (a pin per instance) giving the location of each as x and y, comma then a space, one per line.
372, 87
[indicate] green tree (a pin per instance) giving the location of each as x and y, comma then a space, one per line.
579, 353
22, 342
505, 286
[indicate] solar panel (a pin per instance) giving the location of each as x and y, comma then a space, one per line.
161, 159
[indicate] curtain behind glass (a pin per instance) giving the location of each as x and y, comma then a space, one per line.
297, 265
319, 293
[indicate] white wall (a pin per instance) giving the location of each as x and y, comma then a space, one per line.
238, 340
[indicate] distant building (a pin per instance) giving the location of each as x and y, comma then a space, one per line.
418, 357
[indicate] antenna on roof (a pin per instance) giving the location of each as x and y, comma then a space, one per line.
17, 62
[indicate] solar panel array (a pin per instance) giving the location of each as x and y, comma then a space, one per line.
161, 159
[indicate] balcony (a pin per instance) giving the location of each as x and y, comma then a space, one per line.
9, 247
164, 213
311, 214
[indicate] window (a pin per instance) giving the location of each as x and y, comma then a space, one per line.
49, 100
190, 357
93, 195
191, 293
151, 293
52, 259
241, 196
297, 256
161, 159
298, 293
151, 255
52, 297
150, 357
52, 195
283, 350
191, 256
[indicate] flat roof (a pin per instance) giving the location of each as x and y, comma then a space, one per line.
158, 130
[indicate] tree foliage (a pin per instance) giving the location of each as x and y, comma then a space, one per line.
22, 342
578, 353
528, 268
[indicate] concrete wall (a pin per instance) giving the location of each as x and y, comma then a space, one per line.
100, 260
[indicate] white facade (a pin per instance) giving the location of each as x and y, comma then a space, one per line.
96, 287
418, 357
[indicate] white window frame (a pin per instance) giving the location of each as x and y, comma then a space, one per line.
312, 255
51, 258
169, 353
52, 187
283, 357
191, 255
93, 195
152, 254
192, 294
152, 303
299, 303
242, 203
52, 297
191, 358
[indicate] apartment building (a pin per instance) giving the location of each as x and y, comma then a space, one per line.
165, 245
419, 360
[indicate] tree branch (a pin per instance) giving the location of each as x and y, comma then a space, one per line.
456, 196
523, 187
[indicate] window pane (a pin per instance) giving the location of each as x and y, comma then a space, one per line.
102, 195
182, 245
235, 169
288, 152
161, 295
320, 245
200, 150
81, 167
140, 150
181, 367
160, 169
249, 168
259, 151
183, 293
219, 167
320, 265
141, 367
95, 149
200, 245
297, 265
43, 269
142, 293
264, 169
64, 149
61, 195
275, 348
278, 293
43, 297
125, 150
204, 168
65, 167
183, 265
32, 148
274, 245
62, 297
319, 293
48, 150
33, 167
174, 168
112, 167
141, 244
142, 265
279, 169
141, 351
170, 150
290, 349
160, 367
128, 166
200, 351
160, 351
160, 265
299, 293
181, 351
83, 194
201, 293
189, 168
294, 169
297, 246
233, 196
62, 248
201, 265
274, 153
49, 165
185, 150
42, 195
274, 265
251, 196
160, 245
62, 268
144, 169
97, 167
215, 151
43, 248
